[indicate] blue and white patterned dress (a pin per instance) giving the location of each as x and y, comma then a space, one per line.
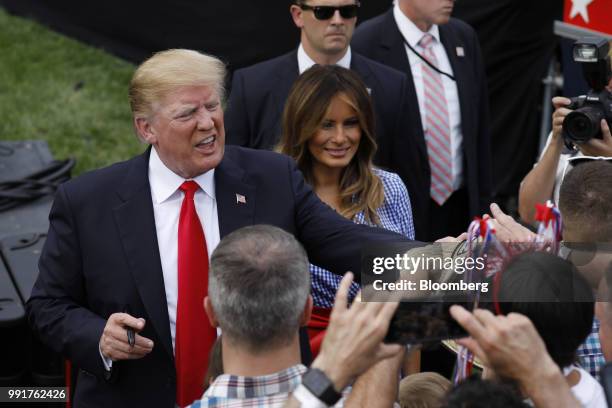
395, 215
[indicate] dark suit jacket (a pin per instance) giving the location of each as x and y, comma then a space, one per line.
102, 255
257, 99
381, 40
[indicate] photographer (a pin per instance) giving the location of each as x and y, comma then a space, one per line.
544, 180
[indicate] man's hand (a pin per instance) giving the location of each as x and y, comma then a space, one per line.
513, 349
510, 345
377, 386
460, 238
114, 341
558, 117
353, 342
508, 230
599, 147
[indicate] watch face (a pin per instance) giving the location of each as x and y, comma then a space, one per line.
316, 381
320, 386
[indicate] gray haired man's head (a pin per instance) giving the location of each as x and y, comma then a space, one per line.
259, 283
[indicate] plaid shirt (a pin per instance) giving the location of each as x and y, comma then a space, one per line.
395, 215
269, 391
590, 356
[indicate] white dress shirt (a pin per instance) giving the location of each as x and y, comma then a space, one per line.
412, 34
167, 201
305, 62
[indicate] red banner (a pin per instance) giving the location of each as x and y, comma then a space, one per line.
592, 14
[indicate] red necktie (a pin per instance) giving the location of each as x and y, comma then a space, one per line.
194, 334
438, 133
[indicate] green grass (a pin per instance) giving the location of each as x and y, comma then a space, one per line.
71, 95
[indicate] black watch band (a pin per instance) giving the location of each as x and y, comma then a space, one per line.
320, 386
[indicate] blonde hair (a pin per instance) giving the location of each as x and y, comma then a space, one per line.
423, 390
169, 70
305, 109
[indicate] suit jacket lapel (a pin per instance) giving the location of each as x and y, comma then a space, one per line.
394, 49
287, 73
136, 223
394, 45
392, 42
359, 65
235, 196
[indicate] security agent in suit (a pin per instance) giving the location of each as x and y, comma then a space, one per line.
259, 92
112, 239
393, 39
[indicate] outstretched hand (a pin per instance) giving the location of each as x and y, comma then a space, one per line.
511, 346
353, 342
507, 229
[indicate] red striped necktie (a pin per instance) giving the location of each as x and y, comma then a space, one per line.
194, 334
437, 133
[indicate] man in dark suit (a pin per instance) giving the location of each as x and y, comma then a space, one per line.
118, 293
258, 94
447, 109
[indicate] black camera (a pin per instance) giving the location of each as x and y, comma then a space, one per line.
584, 122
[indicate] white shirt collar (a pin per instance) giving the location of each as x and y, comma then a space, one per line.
305, 62
411, 33
164, 182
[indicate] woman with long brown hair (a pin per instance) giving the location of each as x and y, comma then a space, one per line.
328, 128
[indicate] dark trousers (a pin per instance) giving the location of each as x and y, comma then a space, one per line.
451, 218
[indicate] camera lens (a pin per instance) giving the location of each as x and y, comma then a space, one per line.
582, 124
580, 127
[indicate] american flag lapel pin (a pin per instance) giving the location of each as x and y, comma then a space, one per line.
460, 52
240, 199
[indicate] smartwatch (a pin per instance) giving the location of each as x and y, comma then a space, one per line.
317, 382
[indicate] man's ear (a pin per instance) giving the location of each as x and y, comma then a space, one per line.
307, 312
296, 14
145, 130
210, 312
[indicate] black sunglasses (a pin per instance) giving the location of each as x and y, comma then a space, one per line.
327, 12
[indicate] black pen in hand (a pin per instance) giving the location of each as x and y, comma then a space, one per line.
130, 332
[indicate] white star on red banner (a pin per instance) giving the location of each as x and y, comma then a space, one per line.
580, 7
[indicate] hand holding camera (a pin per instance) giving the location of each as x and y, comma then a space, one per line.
591, 116
560, 104
599, 147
